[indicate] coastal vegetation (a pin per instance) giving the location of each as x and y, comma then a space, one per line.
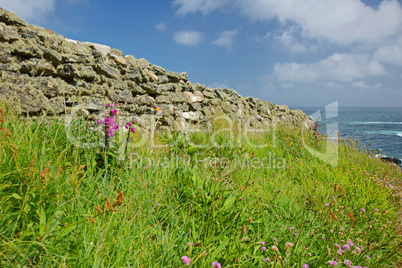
225, 198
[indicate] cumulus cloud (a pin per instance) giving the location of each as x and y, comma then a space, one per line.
203, 6
390, 53
341, 21
30, 10
364, 85
189, 38
161, 27
338, 67
226, 39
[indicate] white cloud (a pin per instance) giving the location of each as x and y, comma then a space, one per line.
226, 39
287, 85
223, 84
289, 42
189, 38
30, 10
341, 21
161, 27
338, 67
204, 6
390, 53
364, 85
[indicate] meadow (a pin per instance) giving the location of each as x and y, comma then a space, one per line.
70, 197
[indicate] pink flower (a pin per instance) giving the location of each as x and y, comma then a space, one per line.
327, 205
337, 246
133, 130
186, 260
347, 262
305, 266
350, 243
363, 209
358, 249
107, 105
294, 234
339, 252
190, 244
216, 264
113, 111
274, 239
292, 228
100, 122
262, 243
264, 248
324, 238
334, 263
346, 247
267, 259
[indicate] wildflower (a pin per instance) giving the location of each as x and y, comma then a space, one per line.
327, 205
262, 243
350, 243
274, 239
358, 249
204, 253
324, 238
334, 263
363, 210
339, 252
113, 112
267, 259
337, 246
216, 264
305, 266
376, 210
292, 228
289, 245
294, 234
346, 247
107, 105
190, 244
100, 122
367, 257
274, 248
347, 262
186, 260
264, 248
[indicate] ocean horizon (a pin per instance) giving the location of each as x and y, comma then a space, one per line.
376, 127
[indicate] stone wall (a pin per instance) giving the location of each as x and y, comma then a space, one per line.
48, 73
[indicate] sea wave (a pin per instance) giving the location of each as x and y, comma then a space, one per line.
399, 134
373, 123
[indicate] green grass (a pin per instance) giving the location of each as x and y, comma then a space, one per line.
66, 206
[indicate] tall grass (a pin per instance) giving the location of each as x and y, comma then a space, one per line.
66, 206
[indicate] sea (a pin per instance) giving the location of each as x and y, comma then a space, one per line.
375, 128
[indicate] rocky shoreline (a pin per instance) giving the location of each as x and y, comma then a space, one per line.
48, 73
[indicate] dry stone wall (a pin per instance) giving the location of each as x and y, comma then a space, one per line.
48, 73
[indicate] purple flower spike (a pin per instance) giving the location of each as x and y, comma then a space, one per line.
216, 264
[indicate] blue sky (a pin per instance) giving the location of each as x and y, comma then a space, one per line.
293, 52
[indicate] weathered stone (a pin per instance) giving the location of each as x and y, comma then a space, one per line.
7, 34
67, 71
53, 57
107, 71
144, 100
193, 116
178, 97
50, 73
37, 66
163, 99
10, 18
87, 73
